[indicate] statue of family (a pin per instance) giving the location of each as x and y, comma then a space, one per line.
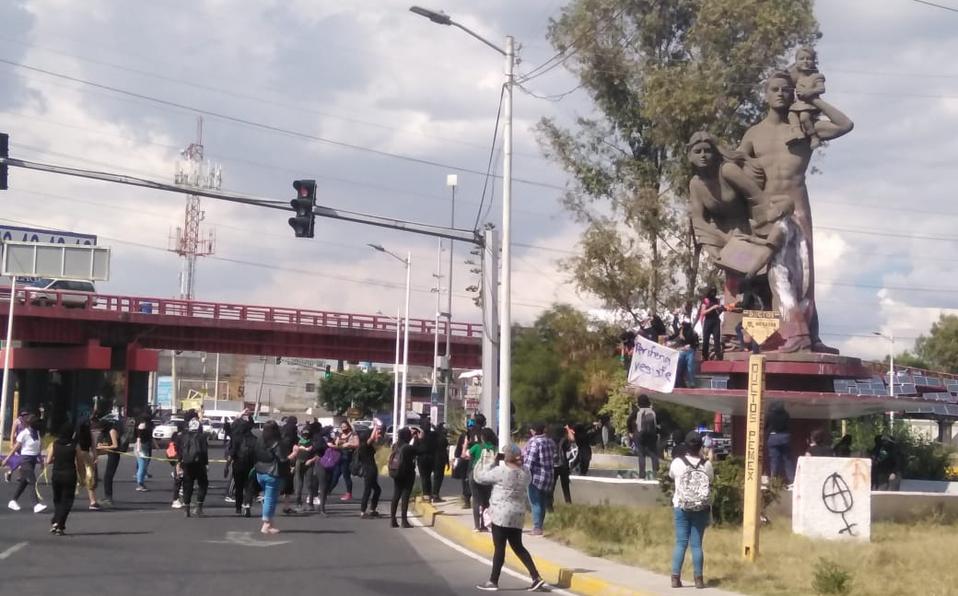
749, 207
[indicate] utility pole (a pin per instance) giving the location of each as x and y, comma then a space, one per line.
490, 328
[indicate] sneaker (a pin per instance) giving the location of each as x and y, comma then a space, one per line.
94, 507
106, 502
7, 475
39, 508
13, 505
229, 500
246, 511
438, 499
259, 498
374, 514
317, 501
177, 504
466, 504
536, 532
142, 489
488, 587
54, 528
198, 512
59, 532
537, 584
346, 497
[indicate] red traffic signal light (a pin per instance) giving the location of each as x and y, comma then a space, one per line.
304, 203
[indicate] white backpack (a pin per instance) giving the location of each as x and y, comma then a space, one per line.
693, 487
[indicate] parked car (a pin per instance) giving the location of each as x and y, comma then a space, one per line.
720, 444
165, 431
43, 291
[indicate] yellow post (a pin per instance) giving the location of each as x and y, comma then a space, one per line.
16, 412
753, 456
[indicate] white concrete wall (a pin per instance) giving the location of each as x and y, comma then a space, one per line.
831, 498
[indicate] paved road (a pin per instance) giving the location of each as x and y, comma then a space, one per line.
143, 546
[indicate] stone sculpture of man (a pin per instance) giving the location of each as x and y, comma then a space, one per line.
778, 164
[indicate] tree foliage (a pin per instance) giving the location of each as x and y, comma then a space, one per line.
368, 391
939, 349
657, 71
563, 367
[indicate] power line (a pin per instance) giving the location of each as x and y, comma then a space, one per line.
492, 151
267, 127
941, 6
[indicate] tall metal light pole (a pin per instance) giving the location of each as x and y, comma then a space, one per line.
405, 352
891, 372
505, 316
452, 181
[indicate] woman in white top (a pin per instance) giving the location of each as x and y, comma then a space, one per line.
28, 446
691, 502
507, 508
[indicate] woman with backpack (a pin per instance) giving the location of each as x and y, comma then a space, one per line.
646, 437
509, 484
691, 502
402, 469
485, 448
269, 457
62, 457
27, 447
194, 454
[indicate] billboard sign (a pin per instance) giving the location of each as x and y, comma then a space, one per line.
63, 261
164, 393
48, 236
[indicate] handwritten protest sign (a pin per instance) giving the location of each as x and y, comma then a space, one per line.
653, 366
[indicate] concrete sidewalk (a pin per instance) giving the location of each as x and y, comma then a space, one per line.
559, 565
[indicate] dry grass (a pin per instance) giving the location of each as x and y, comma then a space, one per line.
916, 558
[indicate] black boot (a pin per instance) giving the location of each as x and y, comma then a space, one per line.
186, 508
199, 510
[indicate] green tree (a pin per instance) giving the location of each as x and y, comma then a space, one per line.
563, 366
657, 71
368, 391
939, 349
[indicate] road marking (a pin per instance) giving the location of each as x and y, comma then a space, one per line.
481, 559
13, 549
246, 539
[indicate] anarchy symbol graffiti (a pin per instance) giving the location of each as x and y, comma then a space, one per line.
837, 497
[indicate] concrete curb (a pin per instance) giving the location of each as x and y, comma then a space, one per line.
577, 580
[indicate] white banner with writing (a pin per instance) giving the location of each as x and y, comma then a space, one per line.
653, 366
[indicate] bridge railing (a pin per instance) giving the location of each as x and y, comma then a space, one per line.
221, 311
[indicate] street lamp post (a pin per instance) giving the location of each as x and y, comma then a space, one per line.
505, 322
891, 372
405, 356
452, 181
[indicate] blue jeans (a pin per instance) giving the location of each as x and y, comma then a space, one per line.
342, 470
142, 465
689, 530
538, 499
779, 456
686, 368
270, 486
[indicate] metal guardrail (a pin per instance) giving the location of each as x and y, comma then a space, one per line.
195, 309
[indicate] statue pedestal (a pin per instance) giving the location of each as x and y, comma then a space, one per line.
803, 371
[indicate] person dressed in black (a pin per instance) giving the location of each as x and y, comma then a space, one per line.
461, 467
321, 487
779, 442
108, 443
564, 444
711, 324
750, 301
584, 436
366, 455
62, 457
289, 438
425, 444
242, 456
303, 470
820, 444
193, 453
440, 460
402, 469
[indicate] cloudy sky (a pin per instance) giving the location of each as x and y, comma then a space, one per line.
373, 75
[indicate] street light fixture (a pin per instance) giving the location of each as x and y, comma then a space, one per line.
891, 371
505, 303
400, 420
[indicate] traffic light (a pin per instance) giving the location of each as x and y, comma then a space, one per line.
329, 373
4, 153
303, 204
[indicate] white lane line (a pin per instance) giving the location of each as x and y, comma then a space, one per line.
13, 549
481, 559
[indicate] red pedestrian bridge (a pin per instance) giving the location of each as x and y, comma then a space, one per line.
74, 330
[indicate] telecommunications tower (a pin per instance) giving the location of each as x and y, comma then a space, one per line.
192, 170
